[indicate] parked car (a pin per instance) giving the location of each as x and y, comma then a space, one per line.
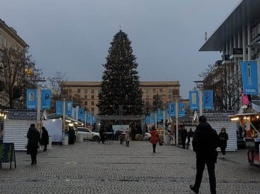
88, 134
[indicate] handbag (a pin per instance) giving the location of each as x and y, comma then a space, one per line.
160, 143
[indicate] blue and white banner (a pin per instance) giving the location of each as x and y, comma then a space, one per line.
172, 109
69, 106
59, 107
31, 98
45, 99
249, 77
181, 111
208, 100
194, 99
159, 115
81, 114
152, 118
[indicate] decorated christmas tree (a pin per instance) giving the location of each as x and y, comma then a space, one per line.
120, 88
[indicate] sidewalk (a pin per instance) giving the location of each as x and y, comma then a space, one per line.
112, 168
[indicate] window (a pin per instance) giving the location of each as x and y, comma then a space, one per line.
92, 91
92, 109
86, 91
86, 102
92, 103
86, 96
92, 97
79, 91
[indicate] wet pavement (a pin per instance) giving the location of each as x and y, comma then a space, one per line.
111, 168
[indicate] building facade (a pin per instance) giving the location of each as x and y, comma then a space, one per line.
238, 39
10, 38
85, 93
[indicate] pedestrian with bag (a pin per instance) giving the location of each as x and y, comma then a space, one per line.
205, 142
44, 138
223, 137
154, 139
33, 136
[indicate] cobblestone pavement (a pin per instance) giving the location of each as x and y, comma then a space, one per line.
111, 168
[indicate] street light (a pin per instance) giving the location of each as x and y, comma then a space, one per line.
39, 102
199, 86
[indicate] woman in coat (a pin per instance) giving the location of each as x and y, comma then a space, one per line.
154, 139
223, 137
45, 138
128, 136
33, 136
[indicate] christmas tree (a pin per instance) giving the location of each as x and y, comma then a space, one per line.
120, 88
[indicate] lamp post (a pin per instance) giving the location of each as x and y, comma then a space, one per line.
38, 113
199, 86
177, 120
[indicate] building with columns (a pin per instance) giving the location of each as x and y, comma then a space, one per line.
238, 38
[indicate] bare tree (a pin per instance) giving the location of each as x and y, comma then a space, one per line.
55, 83
13, 64
225, 81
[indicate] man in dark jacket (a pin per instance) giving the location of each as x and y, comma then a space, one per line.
45, 138
205, 141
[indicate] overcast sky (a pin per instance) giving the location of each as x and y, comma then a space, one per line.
73, 36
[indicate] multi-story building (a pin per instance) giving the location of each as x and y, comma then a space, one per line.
87, 92
10, 38
238, 39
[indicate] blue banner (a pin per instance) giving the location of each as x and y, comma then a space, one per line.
249, 77
81, 114
147, 120
69, 108
181, 111
171, 109
45, 99
59, 107
159, 115
31, 98
194, 100
152, 118
208, 100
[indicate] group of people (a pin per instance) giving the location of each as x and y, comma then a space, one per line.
186, 135
35, 140
205, 142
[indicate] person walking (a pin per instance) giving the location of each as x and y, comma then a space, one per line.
154, 139
128, 136
44, 138
205, 142
189, 135
223, 137
102, 135
183, 137
33, 136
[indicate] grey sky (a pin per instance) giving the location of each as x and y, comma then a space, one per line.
73, 36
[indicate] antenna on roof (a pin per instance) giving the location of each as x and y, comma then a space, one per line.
206, 36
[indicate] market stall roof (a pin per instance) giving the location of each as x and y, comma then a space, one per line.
246, 11
58, 116
22, 114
